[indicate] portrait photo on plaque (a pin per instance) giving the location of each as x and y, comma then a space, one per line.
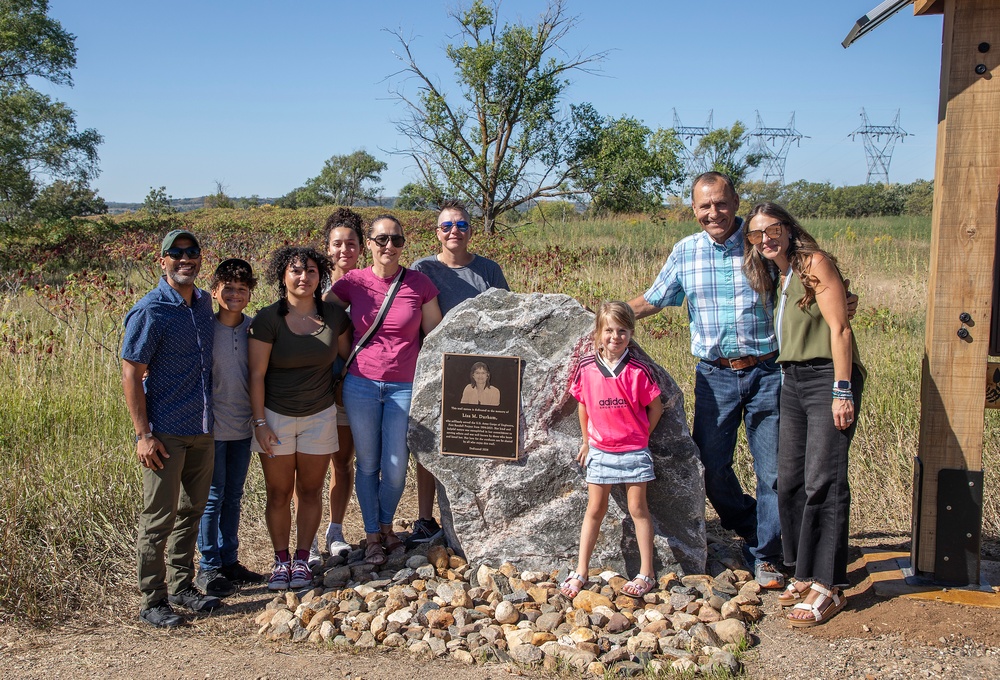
480, 405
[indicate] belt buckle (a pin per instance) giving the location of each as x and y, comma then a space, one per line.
742, 363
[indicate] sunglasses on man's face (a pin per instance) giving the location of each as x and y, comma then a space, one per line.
192, 253
461, 225
398, 240
772, 231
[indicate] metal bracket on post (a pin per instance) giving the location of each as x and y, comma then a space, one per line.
994, 349
959, 527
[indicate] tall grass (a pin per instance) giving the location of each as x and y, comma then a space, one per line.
68, 488
69, 482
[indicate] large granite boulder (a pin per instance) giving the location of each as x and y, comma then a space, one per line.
529, 511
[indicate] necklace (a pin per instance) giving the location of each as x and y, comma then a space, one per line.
303, 317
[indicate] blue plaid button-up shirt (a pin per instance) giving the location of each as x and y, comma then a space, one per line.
175, 342
727, 317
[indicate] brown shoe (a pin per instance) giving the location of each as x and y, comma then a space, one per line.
393, 546
374, 554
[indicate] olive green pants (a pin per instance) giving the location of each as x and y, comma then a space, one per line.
173, 500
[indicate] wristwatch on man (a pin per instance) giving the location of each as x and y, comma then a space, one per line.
144, 435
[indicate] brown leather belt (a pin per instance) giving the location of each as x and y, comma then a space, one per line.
741, 363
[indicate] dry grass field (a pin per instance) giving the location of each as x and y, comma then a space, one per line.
69, 483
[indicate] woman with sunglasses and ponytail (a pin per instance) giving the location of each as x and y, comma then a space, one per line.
379, 382
822, 381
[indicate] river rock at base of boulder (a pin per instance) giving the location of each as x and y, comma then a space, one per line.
527, 654
506, 613
721, 663
730, 630
528, 511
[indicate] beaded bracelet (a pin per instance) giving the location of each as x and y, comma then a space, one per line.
843, 394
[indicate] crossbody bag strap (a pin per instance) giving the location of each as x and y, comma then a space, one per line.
379, 318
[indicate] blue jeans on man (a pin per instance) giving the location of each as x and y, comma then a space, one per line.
218, 533
723, 398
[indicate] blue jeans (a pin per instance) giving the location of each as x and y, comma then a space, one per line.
722, 399
380, 415
218, 533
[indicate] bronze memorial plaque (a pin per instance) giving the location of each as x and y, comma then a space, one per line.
480, 405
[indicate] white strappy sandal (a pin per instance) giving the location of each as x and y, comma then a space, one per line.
792, 595
825, 606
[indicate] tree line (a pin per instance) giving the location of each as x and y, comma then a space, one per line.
821, 199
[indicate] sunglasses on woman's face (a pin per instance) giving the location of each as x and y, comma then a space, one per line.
756, 236
382, 239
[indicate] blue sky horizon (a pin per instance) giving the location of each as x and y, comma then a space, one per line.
257, 94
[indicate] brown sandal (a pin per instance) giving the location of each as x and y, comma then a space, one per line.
393, 546
374, 554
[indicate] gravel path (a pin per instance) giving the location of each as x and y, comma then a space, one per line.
871, 638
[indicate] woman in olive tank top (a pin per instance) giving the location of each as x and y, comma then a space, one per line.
822, 381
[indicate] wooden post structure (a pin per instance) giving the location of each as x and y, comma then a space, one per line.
948, 477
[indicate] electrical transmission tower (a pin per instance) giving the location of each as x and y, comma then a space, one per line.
772, 144
879, 140
690, 136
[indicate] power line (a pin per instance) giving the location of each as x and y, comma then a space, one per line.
772, 144
880, 140
690, 136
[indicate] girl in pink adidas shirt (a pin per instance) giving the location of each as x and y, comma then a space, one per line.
619, 406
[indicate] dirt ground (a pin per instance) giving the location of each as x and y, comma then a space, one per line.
875, 637
871, 638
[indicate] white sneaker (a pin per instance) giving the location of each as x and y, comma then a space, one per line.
335, 543
315, 557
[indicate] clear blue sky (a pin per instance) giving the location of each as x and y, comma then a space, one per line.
258, 93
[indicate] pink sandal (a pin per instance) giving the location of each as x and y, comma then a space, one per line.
568, 589
638, 586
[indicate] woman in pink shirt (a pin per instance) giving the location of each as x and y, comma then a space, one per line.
379, 382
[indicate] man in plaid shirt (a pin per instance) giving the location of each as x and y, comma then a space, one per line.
737, 379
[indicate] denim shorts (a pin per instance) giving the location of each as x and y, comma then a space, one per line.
628, 467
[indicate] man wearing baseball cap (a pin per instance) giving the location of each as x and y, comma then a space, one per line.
169, 339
